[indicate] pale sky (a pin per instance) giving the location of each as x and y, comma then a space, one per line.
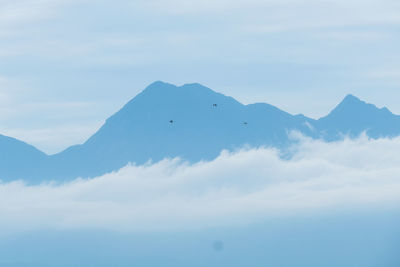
67, 65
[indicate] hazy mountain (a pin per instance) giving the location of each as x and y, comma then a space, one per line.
192, 122
353, 116
17, 159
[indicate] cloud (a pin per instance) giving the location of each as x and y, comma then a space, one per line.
30, 10
17, 13
390, 75
234, 189
276, 16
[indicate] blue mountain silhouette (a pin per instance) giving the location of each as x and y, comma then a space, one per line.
353, 116
17, 158
192, 122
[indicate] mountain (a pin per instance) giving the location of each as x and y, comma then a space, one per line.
18, 160
192, 122
353, 117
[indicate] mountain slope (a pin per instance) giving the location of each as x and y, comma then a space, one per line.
353, 117
18, 160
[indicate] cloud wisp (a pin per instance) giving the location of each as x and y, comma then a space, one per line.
235, 189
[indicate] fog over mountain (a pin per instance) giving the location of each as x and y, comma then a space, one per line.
191, 122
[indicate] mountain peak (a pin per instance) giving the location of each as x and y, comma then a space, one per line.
352, 104
161, 98
353, 116
158, 86
351, 99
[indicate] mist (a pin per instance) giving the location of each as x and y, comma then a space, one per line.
236, 189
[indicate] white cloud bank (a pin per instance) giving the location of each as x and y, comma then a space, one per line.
239, 188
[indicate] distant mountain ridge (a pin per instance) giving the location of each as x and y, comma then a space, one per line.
16, 156
192, 122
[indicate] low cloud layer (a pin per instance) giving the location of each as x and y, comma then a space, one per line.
235, 189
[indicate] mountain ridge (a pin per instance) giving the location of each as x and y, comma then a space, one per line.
353, 116
195, 123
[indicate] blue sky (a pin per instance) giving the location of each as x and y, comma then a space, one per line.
65, 66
